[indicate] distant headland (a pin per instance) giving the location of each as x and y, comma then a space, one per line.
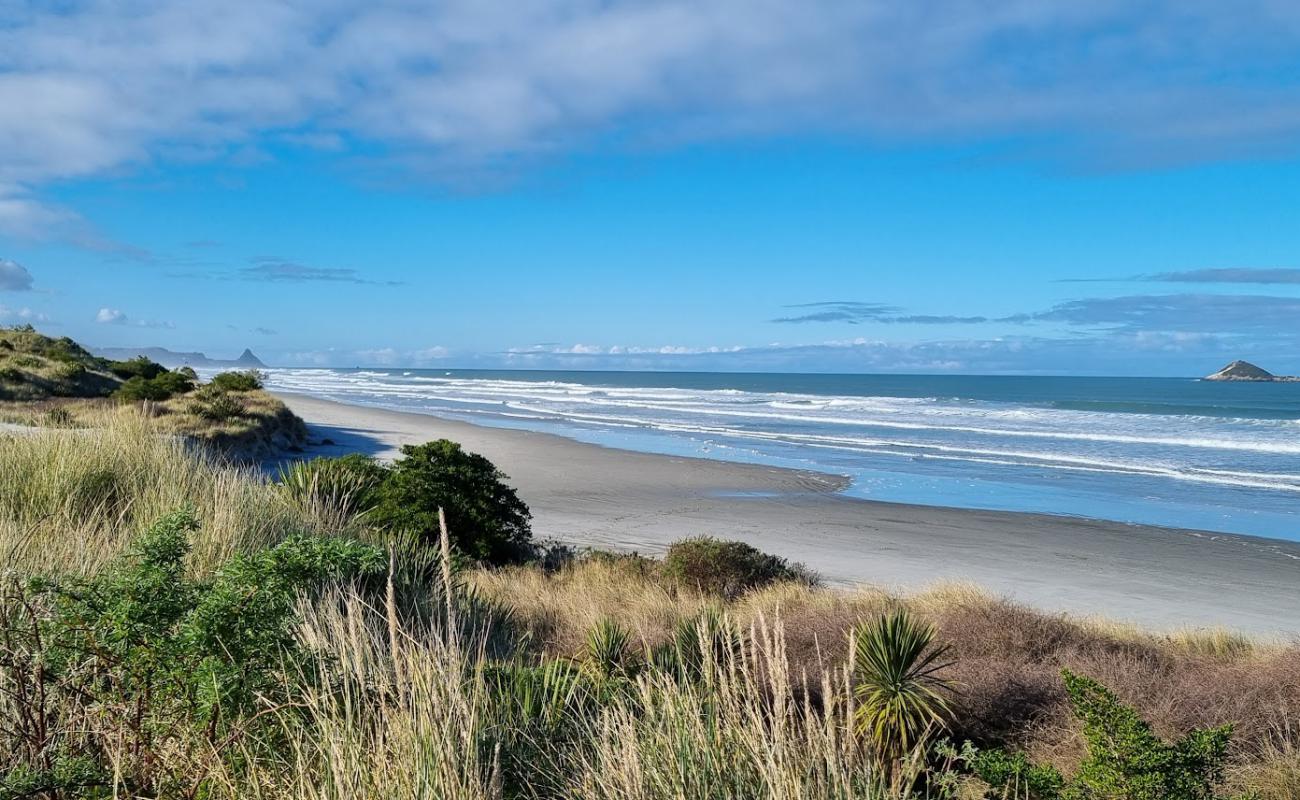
1246, 371
172, 359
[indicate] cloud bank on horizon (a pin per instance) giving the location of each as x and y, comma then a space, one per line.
457, 92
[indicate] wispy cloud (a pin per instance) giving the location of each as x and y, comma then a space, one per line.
14, 277
278, 271
1221, 313
855, 313
1278, 275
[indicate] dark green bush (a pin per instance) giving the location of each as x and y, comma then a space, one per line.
486, 520
138, 367
138, 388
113, 672
161, 386
1125, 758
245, 381
728, 568
10, 374
175, 382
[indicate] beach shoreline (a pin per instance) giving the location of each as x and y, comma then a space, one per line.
589, 495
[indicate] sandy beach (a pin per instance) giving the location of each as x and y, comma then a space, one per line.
590, 495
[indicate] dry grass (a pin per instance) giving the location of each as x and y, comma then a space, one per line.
264, 429
1008, 657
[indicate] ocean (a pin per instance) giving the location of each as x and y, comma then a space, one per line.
1219, 457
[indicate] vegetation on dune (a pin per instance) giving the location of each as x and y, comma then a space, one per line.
173, 627
487, 520
34, 367
728, 568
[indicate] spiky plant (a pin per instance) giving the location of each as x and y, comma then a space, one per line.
609, 649
900, 696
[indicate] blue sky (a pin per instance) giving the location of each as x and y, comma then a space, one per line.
945, 186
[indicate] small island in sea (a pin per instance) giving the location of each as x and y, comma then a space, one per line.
1246, 371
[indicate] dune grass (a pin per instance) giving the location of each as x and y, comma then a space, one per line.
513, 695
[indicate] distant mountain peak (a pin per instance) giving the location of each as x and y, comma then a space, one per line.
247, 359
1246, 371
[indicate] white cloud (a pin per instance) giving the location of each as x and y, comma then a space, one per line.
22, 314
110, 316
14, 277
89, 88
115, 316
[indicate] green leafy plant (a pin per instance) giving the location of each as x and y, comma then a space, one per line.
243, 381
139, 671
727, 568
486, 519
1125, 758
901, 698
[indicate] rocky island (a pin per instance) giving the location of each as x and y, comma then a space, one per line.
1246, 371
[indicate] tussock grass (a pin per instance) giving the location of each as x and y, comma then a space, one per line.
72, 499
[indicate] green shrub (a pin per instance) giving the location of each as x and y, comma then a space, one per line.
28, 362
1125, 758
69, 371
130, 674
727, 568
175, 382
1013, 774
486, 520
10, 374
162, 386
138, 388
215, 405
245, 381
138, 367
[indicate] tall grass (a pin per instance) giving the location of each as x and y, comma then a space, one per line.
72, 499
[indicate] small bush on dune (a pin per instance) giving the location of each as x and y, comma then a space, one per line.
138, 367
137, 389
486, 519
246, 381
161, 386
215, 405
727, 568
